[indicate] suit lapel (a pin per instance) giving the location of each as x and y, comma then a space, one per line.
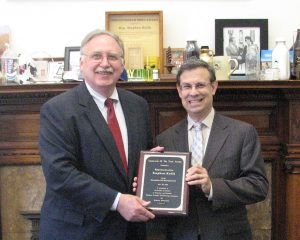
219, 133
100, 126
180, 139
132, 132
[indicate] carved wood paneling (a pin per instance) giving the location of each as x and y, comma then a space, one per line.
292, 207
273, 107
291, 154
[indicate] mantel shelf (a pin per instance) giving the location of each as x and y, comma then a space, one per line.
273, 107
166, 83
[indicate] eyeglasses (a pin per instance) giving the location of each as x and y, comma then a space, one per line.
198, 86
99, 56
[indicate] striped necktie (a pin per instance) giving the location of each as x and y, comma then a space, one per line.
197, 145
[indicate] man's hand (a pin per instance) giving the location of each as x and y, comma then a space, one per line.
133, 209
198, 175
134, 184
158, 149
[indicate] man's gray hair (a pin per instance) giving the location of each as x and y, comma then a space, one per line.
98, 32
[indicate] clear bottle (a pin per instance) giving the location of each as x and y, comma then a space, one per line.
252, 62
296, 62
191, 50
281, 59
10, 65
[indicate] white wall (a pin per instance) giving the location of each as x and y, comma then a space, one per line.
50, 25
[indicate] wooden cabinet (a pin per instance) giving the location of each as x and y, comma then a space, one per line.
273, 107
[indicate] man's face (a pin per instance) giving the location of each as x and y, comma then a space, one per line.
196, 93
101, 63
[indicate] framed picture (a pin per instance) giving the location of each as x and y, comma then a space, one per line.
72, 57
176, 59
72, 63
55, 69
234, 37
142, 34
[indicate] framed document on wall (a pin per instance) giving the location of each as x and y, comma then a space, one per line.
142, 34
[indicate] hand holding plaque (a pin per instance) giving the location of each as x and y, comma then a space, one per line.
161, 180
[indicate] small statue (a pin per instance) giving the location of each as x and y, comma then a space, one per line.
169, 64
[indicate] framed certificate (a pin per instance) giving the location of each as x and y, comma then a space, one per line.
161, 180
142, 34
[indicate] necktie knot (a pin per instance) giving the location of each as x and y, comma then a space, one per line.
197, 126
109, 103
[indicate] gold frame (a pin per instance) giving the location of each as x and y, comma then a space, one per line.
137, 32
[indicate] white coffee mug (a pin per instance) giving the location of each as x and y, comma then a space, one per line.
223, 67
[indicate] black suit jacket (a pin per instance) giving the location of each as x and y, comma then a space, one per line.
236, 168
82, 166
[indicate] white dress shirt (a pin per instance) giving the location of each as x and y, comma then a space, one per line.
99, 100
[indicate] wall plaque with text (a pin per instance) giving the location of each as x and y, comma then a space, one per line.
142, 34
161, 180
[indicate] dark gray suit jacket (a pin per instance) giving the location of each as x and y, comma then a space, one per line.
82, 166
235, 165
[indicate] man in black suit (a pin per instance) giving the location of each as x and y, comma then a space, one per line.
229, 175
88, 192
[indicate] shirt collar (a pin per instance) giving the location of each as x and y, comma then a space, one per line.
208, 121
101, 99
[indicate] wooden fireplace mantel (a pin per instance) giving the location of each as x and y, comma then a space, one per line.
273, 107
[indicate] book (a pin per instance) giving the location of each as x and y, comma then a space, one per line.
266, 59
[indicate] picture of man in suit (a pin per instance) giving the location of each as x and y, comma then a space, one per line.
88, 186
225, 176
232, 49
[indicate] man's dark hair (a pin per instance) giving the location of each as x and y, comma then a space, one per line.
248, 38
231, 39
194, 64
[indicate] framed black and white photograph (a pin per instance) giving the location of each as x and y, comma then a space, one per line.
237, 37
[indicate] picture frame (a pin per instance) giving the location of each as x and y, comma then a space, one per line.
161, 180
240, 32
72, 57
55, 69
72, 64
176, 60
142, 34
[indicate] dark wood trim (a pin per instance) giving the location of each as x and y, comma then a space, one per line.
273, 107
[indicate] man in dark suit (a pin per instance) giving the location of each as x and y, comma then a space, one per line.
88, 192
230, 174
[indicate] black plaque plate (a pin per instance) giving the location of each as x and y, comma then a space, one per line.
161, 180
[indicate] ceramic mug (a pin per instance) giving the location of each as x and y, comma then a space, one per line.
224, 66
